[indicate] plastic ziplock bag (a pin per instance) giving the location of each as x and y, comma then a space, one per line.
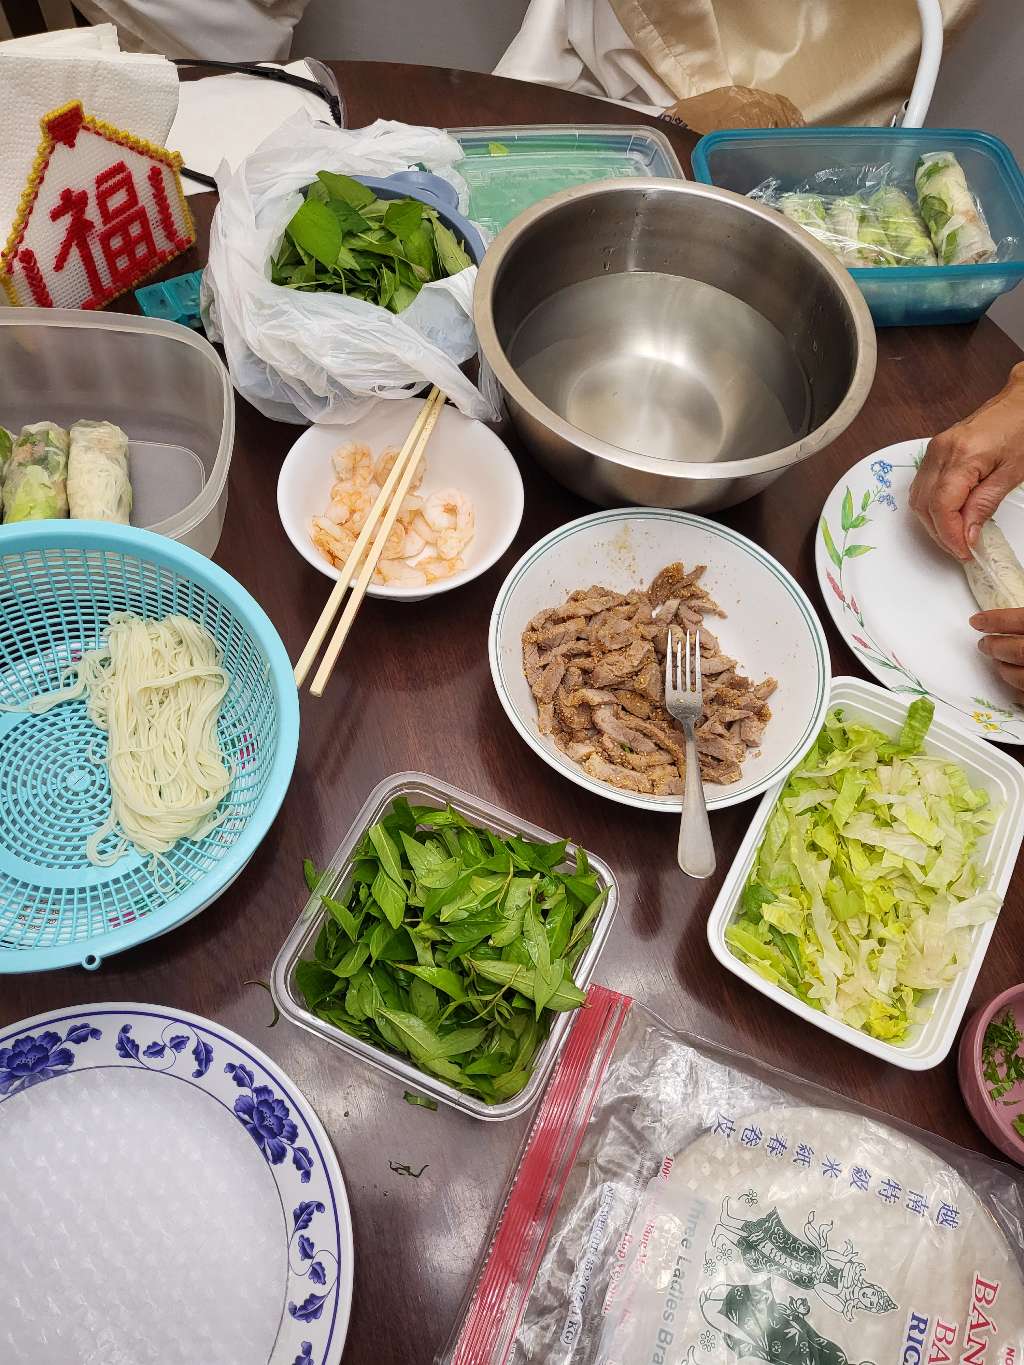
879, 215
322, 357
678, 1203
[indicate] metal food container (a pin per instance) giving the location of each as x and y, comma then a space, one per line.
421, 790
669, 344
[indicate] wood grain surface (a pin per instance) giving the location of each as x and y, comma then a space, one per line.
413, 691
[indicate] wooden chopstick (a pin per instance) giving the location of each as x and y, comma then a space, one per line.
434, 403
333, 603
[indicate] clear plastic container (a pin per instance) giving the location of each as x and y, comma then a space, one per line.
164, 385
897, 295
509, 169
422, 790
986, 766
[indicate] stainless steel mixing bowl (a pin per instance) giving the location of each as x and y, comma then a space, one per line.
670, 344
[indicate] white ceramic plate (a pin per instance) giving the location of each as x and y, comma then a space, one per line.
771, 628
929, 1041
168, 1198
901, 604
461, 454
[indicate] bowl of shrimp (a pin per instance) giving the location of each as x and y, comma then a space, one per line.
459, 517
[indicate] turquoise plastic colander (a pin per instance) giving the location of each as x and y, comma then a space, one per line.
59, 582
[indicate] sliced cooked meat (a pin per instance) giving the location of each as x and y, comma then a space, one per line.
616, 775
595, 664
635, 704
550, 681
621, 731
619, 664
715, 746
751, 731
554, 632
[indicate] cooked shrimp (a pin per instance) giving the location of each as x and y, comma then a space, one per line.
386, 464
353, 464
397, 574
394, 546
411, 504
450, 544
418, 526
449, 510
435, 569
350, 507
333, 542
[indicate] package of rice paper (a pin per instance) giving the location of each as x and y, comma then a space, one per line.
677, 1204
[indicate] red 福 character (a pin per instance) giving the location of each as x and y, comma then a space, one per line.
126, 238
73, 205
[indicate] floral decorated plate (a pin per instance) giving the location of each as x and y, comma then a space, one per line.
901, 604
168, 1198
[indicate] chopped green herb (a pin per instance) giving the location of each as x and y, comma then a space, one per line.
422, 1100
452, 947
1001, 1062
497, 149
407, 1170
1018, 1123
342, 239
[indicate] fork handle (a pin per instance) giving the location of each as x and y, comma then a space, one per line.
696, 853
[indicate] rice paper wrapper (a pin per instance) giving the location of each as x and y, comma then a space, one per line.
679, 1204
35, 481
98, 484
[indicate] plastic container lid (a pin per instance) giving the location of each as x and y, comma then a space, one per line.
509, 169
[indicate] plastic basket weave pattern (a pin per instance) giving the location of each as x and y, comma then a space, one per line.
59, 583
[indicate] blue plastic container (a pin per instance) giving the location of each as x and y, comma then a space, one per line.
59, 583
897, 295
435, 192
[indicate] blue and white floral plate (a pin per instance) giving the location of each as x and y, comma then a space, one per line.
167, 1195
901, 604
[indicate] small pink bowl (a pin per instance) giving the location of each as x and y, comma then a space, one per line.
993, 1117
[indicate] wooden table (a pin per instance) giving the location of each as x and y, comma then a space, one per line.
413, 691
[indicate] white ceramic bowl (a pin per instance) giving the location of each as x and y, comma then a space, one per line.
985, 766
771, 628
461, 454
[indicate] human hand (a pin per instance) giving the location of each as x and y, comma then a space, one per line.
1003, 641
969, 469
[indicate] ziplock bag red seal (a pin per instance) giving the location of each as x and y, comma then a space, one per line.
679, 1203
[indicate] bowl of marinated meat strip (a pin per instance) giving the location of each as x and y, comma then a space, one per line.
577, 653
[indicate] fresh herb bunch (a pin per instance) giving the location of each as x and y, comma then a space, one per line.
452, 946
1001, 1062
345, 240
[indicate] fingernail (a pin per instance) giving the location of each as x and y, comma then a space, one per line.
972, 535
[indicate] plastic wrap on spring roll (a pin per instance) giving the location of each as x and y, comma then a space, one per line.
923, 214
677, 1204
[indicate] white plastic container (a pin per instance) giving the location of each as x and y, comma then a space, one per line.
421, 790
985, 766
163, 384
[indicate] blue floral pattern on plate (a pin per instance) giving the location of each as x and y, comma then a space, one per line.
318, 1232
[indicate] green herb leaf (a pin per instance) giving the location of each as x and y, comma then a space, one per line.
422, 1100
310, 873
451, 255
387, 852
343, 187
315, 229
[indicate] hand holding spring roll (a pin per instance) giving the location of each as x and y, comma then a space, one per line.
969, 469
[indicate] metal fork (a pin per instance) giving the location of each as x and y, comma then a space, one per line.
683, 702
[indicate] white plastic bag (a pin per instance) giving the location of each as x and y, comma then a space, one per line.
324, 357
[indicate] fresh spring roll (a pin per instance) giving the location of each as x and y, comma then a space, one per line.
36, 481
98, 484
6, 445
958, 229
904, 228
808, 210
874, 245
844, 215
995, 574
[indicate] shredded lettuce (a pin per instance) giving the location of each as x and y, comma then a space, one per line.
866, 890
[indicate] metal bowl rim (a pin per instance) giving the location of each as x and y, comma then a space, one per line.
494, 352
